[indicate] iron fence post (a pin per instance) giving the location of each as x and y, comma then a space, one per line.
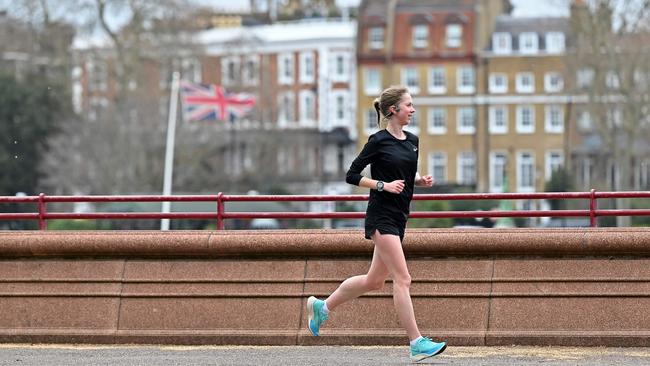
220, 211
593, 222
42, 224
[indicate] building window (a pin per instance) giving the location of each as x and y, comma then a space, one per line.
251, 70
501, 43
554, 161
466, 120
437, 121
438, 166
437, 80
372, 81
555, 42
553, 82
191, 70
230, 70
612, 81
286, 113
525, 82
341, 67
307, 107
97, 75
465, 84
585, 78
420, 36
466, 168
340, 107
554, 121
525, 171
585, 122
370, 117
525, 119
614, 117
285, 67
528, 43
306, 67
498, 83
410, 79
454, 35
376, 38
498, 119
498, 161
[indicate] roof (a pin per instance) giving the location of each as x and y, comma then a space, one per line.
539, 25
282, 32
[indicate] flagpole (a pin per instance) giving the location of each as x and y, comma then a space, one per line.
169, 148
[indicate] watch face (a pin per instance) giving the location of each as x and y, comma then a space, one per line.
380, 186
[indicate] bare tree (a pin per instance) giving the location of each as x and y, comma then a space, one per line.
611, 59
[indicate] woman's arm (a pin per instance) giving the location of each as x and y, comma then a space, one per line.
395, 186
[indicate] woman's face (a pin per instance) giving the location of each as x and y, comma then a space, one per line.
406, 110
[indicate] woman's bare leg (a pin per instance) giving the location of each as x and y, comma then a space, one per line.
356, 286
390, 250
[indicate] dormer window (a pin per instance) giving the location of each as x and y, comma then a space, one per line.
376, 38
420, 36
555, 42
528, 43
501, 43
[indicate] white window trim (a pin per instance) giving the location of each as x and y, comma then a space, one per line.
453, 42
304, 119
459, 168
431, 169
548, 127
534, 48
561, 46
433, 89
585, 77
465, 89
283, 121
460, 129
282, 78
343, 121
256, 61
548, 87
305, 57
520, 87
366, 87
196, 65
495, 43
418, 42
496, 89
225, 79
521, 128
376, 45
521, 188
547, 162
494, 188
413, 90
431, 128
493, 127
367, 113
346, 67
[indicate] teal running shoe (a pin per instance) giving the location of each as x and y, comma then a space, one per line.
426, 348
316, 315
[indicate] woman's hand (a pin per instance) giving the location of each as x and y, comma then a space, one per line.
425, 181
396, 186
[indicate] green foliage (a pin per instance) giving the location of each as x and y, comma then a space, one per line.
72, 225
643, 203
561, 181
30, 111
431, 206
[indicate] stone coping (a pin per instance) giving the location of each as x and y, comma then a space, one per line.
297, 243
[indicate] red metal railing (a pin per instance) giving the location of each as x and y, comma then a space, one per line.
220, 214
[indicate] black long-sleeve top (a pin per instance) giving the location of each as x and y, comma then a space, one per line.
390, 159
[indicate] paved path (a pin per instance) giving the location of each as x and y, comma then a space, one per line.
16, 354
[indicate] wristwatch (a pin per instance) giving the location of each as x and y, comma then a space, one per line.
380, 186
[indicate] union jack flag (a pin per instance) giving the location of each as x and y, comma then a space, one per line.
208, 102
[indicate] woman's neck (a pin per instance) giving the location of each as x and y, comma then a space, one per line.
395, 131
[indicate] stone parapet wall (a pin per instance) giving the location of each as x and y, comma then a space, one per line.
471, 286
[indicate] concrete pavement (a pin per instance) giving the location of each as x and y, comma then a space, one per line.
21, 354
